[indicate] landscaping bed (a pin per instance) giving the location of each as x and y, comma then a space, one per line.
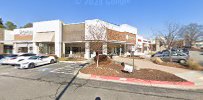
109, 68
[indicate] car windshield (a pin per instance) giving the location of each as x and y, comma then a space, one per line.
34, 57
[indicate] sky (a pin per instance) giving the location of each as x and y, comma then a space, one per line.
148, 16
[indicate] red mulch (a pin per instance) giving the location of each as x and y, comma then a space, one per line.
112, 69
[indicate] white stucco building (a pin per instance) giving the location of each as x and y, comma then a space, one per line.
76, 39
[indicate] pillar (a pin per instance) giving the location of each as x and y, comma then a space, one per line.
71, 50
125, 48
87, 50
104, 48
64, 50
120, 50
28, 48
1, 48
15, 48
142, 49
58, 49
35, 48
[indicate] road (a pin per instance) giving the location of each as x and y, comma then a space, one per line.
57, 81
197, 56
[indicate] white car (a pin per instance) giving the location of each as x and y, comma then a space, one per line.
34, 61
16, 60
6, 60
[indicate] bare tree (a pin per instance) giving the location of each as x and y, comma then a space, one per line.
96, 34
169, 36
191, 32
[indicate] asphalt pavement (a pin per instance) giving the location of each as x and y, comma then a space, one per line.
58, 81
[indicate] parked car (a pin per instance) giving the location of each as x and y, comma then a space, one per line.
34, 61
185, 50
18, 58
161, 53
2, 56
179, 57
7, 58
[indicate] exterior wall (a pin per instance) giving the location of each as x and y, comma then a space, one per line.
73, 32
100, 24
1, 39
49, 26
19, 37
159, 46
22, 40
67, 33
8, 37
23, 34
121, 36
1, 34
143, 45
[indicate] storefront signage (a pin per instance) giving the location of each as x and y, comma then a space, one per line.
25, 31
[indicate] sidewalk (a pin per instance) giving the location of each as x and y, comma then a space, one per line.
193, 76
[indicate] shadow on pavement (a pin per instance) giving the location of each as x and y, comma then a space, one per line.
69, 83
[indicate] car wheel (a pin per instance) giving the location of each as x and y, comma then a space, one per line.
31, 65
182, 61
52, 61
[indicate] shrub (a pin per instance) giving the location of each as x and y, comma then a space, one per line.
70, 59
62, 59
55, 56
151, 53
156, 60
191, 64
102, 58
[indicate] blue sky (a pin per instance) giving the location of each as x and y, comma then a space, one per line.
147, 15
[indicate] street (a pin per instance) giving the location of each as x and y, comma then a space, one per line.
57, 81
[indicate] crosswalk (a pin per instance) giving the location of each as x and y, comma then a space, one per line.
61, 68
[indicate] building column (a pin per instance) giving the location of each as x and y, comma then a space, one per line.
125, 48
142, 49
1, 48
15, 48
64, 50
120, 50
35, 48
104, 48
28, 49
71, 50
87, 50
58, 48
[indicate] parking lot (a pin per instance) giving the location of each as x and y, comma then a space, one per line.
58, 72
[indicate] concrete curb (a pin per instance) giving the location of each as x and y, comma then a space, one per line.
161, 84
134, 80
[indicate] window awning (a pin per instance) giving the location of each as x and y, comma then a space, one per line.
44, 37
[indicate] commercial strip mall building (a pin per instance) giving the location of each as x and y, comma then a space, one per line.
77, 39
